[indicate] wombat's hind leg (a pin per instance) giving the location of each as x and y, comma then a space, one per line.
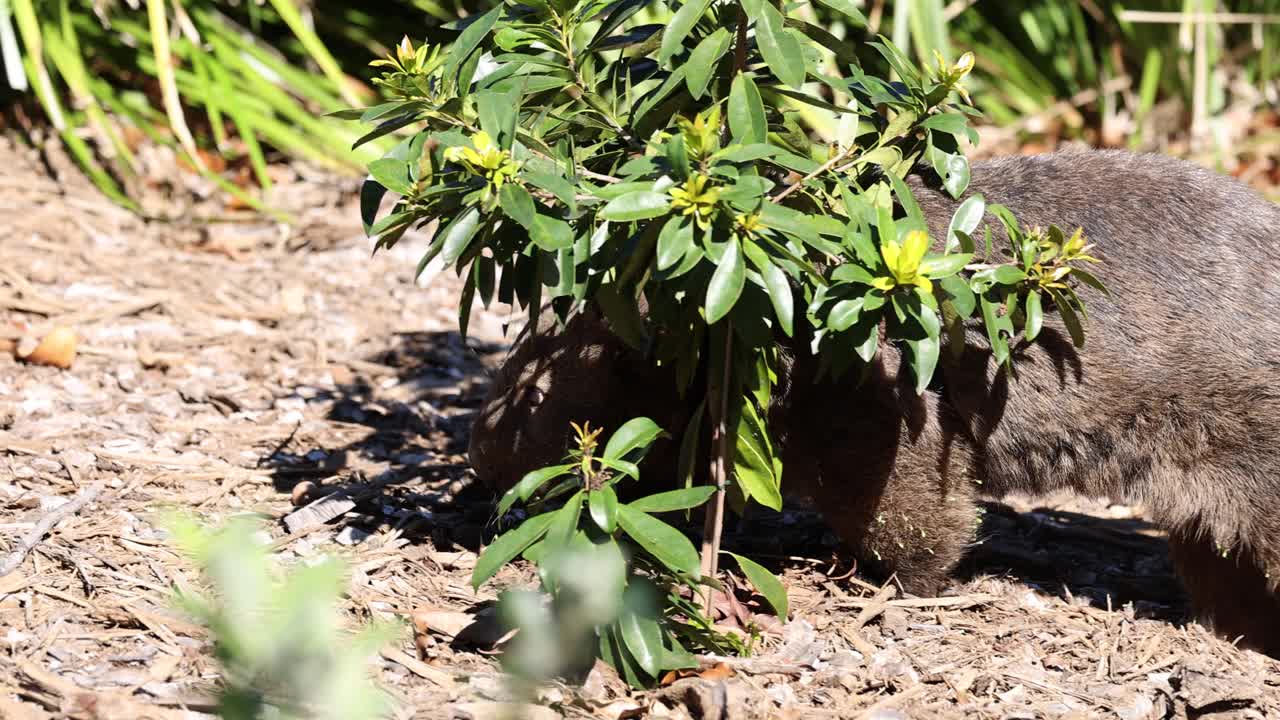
1231, 595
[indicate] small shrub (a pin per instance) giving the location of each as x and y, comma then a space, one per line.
575, 154
279, 639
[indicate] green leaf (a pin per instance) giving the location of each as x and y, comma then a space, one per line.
371, 195
753, 462
689, 446
994, 323
747, 153
617, 190
620, 14
1090, 279
559, 187
1070, 319
781, 50
935, 267
505, 548
673, 500
624, 467
675, 241
954, 170
845, 314
458, 235
852, 273
565, 520
848, 9
924, 359
393, 175
746, 111
386, 127
862, 246
619, 658
468, 41
635, 433
966, 219
1035, 316
643, 638
677, 154
765, 583
551, 234
726, 283
950, 123
678, 29
603, 504
1008, 275
498, 116
775, 282
908, 202
961, 295
794, 222
665, 543
517, 203
703, 61
529, 484
636, 206
869, 332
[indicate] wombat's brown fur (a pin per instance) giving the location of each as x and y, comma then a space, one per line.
1174, 403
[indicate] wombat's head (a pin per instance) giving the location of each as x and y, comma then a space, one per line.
580, 373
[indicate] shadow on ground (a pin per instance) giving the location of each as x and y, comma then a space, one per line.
417, 397
1105, 561
410, 405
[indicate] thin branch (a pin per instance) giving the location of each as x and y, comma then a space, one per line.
1177, 18
713, 526
839, 157
46, 524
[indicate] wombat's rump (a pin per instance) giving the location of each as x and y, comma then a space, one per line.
1174, 403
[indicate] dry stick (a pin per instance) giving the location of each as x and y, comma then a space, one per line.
840, 156
878, 605
713, 527
46, 523
889, 701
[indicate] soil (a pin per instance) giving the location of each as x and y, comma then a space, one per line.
221, 364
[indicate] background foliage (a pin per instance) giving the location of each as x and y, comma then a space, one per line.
99, 76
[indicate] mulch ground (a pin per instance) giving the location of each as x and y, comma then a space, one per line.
221, 364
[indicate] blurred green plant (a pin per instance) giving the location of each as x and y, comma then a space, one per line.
279, 640
1037, 53
209, 78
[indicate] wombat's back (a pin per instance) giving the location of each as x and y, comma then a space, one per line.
1181, 244
1175, 399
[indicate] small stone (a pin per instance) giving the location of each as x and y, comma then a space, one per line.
888, 714
302, 493
352, 535
78, 459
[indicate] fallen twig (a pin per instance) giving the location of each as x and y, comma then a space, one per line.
877, 605
891, 700
28, 542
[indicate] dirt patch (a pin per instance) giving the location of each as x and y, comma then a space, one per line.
220, 365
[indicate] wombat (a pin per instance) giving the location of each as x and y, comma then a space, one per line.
1173, 403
